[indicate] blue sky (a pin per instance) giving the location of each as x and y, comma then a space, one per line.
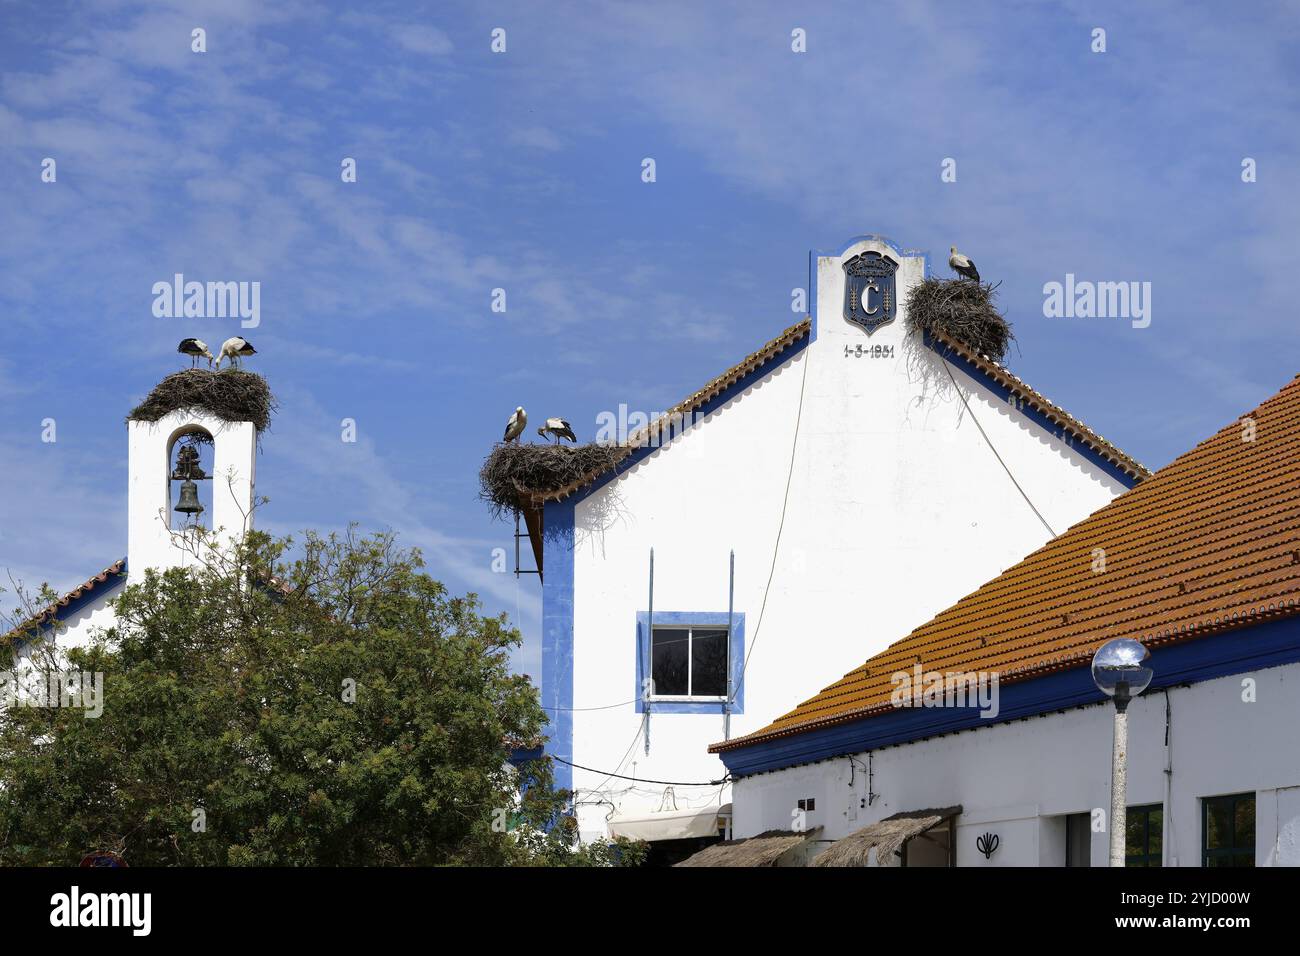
522, 170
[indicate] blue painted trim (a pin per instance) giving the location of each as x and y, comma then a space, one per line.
1236, 652
557, 635
74, 607
815, 254
558, 518
982, 377
700, 619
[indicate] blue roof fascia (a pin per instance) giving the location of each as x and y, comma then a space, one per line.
1270, 644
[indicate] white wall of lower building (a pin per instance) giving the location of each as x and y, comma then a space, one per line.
1019, 780
897, 508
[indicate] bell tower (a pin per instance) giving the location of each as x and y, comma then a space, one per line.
168, 460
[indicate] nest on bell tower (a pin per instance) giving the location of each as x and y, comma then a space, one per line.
232, 395
962, 310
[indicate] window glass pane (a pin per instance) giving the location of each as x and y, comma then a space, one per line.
669, 661
1135, 839
1218, 824
1155, 835
1142, 839
709, 662
1244, 824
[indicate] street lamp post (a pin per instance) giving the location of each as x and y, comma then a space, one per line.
1119, 670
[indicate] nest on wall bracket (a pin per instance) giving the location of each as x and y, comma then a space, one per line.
232, 395
962, 310
514, 472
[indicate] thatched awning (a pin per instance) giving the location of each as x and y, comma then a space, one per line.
762, 850
886, 836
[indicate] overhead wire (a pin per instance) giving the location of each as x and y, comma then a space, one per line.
993, 449
785, 503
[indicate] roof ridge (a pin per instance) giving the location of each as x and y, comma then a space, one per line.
42, 617
644, 436
1093, 438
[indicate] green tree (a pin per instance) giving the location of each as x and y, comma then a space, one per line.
336, 707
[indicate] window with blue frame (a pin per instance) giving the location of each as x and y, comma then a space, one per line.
684, 660
689, 662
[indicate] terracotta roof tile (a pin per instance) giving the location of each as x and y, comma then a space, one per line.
1208, 543
1052, 411
643, 436
40, 620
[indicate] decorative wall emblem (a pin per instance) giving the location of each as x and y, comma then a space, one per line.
870, 299
987, 844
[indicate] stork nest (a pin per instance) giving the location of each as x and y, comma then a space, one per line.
231, 395
515, 472
963, 311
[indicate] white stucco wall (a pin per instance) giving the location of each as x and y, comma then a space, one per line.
231, 463
1019, 779
897, 508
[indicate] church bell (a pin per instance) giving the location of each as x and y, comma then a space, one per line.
189, 500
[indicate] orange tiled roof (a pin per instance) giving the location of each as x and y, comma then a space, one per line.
1209, 543
49, 613
797, 333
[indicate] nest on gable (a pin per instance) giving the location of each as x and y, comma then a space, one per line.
963, 311
514, 472
232, 395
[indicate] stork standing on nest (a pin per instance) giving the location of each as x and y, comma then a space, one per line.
962, 265
195, 349
515, 424
233, 348
559, 428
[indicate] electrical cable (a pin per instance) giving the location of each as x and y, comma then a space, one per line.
987, 441
618, 766
575, 710
785, 503
666, 783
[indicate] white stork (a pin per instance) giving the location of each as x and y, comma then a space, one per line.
235, 347
195, 349
962, 265
515, 424
559, 428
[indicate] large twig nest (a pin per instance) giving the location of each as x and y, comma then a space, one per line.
514, 471
231, 395
962, 310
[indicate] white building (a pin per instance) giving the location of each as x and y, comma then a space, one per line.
1200, 563
863, 479
157, 536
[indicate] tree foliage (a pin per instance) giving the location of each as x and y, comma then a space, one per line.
336, 707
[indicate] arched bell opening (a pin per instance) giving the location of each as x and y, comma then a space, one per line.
189, 478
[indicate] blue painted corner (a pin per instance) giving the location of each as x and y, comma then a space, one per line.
557, 634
